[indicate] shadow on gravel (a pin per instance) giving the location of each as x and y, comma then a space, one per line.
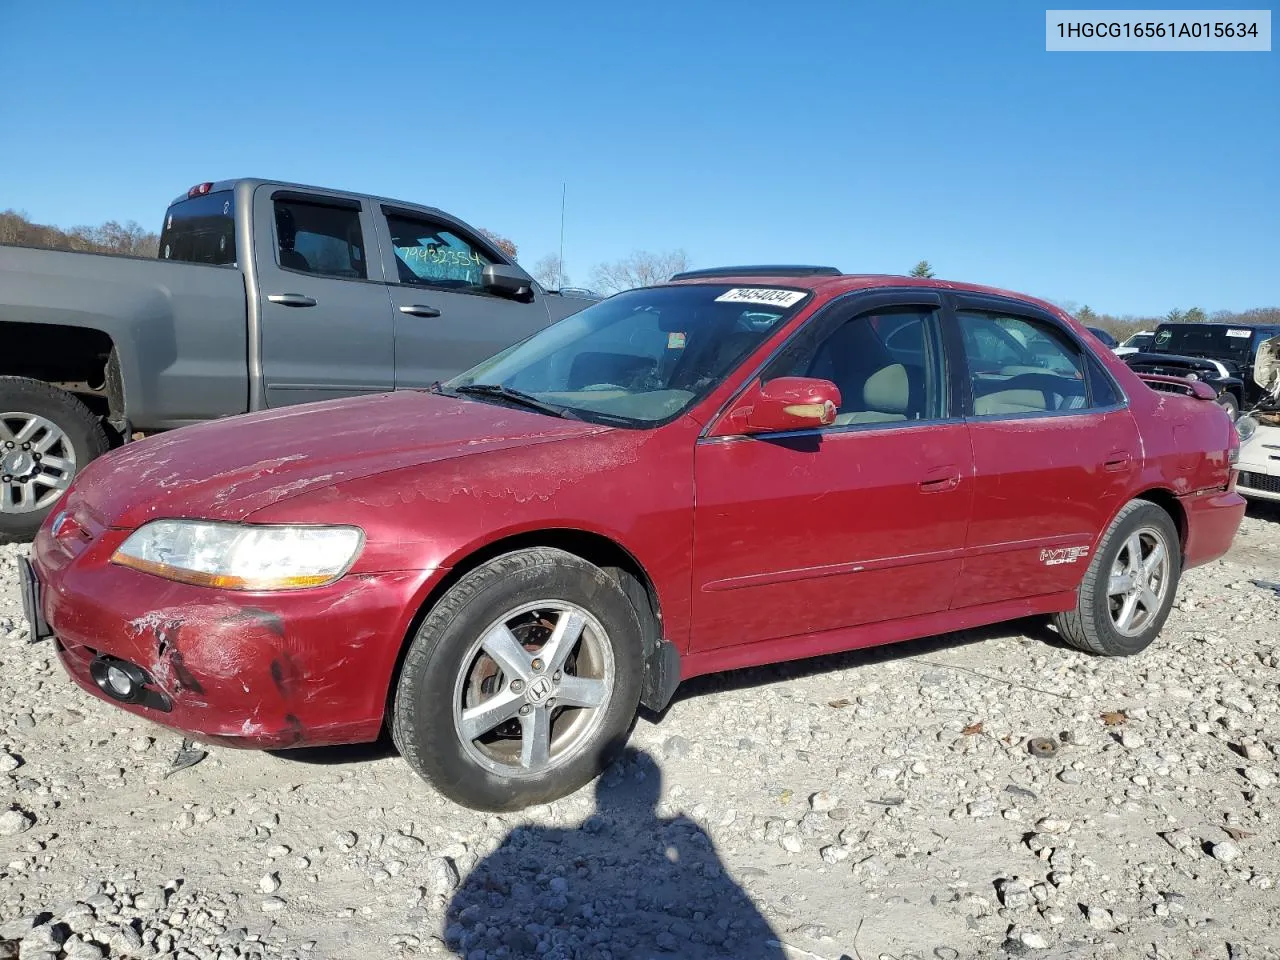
627, 883
1263, 510
1036, 629
380, 749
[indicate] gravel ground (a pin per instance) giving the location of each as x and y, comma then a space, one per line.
883, 804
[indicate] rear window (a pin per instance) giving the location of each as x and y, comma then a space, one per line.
200, 230
1216, 340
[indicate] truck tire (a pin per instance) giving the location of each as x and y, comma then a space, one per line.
46, 437
1229, 403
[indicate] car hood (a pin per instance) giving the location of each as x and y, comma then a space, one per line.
227, 469
1159, 362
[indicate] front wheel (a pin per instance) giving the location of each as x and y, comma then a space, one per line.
1228, 403
1129, 588
522, 683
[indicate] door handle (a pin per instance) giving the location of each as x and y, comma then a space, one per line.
940, 479
1117, 462
420, 310
291, 300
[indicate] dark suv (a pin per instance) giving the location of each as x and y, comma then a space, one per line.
1220, 354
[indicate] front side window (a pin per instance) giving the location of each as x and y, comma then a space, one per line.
320, 239
642, 357
430, 255
1018, 366
886, 364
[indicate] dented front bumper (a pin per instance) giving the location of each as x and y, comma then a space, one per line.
284, 669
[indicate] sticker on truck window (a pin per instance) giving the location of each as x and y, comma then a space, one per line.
1239, 333
774, 298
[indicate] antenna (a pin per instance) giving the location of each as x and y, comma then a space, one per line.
563, 190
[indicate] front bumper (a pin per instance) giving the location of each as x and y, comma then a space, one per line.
285, 669
1259, 465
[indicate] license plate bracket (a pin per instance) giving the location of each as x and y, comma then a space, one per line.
30, 585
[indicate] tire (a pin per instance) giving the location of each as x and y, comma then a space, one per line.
449, 675
1097, 623
61, 428
1229, 403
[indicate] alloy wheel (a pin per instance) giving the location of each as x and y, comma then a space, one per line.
37, 462
1139, 581
533, 688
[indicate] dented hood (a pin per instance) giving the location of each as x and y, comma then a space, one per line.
227, 469
1266, 370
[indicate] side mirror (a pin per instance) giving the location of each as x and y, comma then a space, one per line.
507, 281
786, 403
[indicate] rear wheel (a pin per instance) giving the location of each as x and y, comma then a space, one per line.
522, 682
1129, 588
46, 437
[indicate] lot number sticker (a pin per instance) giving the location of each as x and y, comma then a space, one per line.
772, 298
1239, 333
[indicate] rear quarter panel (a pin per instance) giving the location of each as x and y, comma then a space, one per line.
179, 328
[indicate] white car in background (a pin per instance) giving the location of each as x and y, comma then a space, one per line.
1136, 343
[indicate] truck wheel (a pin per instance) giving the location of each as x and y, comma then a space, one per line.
522, 683
1128, 590
46, 437
1229, 403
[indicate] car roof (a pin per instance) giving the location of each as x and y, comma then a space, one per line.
834, 286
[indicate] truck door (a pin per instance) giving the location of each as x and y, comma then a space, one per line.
445, 321
323, 313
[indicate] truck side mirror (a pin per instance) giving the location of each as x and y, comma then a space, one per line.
507, 280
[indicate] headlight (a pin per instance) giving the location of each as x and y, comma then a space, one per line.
241, 557
1246, 426
1193, 376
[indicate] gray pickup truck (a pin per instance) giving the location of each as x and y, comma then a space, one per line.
264, 294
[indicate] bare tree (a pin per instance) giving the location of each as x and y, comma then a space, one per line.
549, 271
641, 269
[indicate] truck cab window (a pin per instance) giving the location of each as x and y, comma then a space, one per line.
200, 230
319, 239
430, 255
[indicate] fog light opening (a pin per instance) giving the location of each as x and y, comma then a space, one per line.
119, 679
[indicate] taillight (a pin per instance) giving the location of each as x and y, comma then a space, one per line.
199, 190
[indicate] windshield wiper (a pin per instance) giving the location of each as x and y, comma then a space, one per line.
515, 396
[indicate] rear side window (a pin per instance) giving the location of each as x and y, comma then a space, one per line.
1021, 366
321, 239
200, 230
431, 255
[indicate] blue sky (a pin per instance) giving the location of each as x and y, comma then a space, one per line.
863, 135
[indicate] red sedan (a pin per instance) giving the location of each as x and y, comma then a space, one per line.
735, 468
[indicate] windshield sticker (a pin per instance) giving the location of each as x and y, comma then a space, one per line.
675, 341
774, 298
1239, 333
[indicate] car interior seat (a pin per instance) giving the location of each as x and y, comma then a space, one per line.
287, 232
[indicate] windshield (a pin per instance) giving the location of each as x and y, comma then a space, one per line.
1139, 340
642, 357
200, 230
1205, 340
